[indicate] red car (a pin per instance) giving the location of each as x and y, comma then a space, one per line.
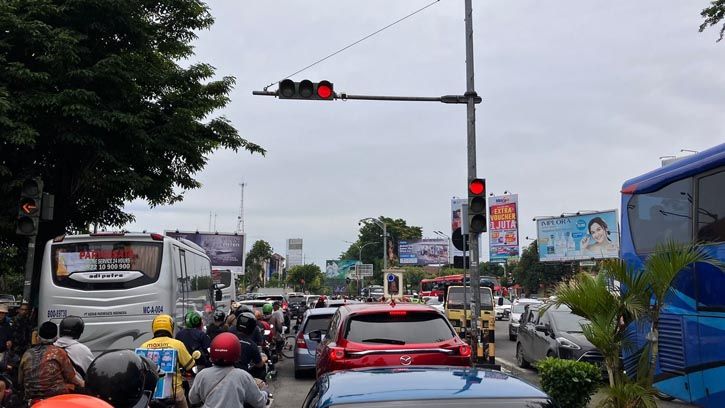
383, 334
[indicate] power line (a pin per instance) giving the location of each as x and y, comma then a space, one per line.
354, 43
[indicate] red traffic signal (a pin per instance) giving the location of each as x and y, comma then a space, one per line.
306, 89
477, 206
477, 187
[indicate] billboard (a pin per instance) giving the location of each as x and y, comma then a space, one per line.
226, 251
294, 252
578, 237
340, 269
503, 227
423, 252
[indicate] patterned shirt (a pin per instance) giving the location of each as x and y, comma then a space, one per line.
45, 371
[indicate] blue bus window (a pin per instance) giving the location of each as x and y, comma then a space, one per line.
711, 208
660, 216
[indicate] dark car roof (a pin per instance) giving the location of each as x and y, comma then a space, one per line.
421, 383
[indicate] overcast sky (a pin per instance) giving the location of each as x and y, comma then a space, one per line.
578, 97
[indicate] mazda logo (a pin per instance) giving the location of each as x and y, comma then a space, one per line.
406, 360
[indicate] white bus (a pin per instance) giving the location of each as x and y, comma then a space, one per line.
118, 283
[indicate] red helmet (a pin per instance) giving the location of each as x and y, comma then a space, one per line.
225, 349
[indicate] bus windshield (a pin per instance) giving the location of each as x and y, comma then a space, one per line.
105, 264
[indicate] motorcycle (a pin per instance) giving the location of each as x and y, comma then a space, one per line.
11, 398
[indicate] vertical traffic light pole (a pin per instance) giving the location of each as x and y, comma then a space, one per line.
29, 262
471, 120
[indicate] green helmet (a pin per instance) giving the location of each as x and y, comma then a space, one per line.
192, 319
267, 308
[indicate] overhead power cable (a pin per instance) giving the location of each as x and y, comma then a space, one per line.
354, 43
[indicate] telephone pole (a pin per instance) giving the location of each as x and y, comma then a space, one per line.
471, 121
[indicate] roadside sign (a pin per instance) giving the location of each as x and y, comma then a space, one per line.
364, 270
587, 263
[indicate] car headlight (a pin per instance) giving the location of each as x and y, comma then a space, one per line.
514, 320
567, 343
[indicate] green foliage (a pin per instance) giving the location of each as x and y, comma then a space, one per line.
491, 269
93, 100
310, 273
713, 15
398, 229
261, 251
570, 383
12, 275
628, 394
531, 274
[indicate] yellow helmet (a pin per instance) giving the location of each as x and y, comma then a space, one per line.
163, 322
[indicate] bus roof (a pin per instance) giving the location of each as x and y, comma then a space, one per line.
687, 166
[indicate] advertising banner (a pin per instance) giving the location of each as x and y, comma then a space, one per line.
578, 237
226, 251
340, 269
423, 252
503, 227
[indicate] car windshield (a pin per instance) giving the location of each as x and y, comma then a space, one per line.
296, 299
568, 322
398, 327
520, 307
455, 297
321, 322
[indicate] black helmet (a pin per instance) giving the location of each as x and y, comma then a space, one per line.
246, 322
122, 378
244, 309
219, 315
72, 326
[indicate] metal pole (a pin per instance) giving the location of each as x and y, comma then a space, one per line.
471, 121
29, 261
385, 246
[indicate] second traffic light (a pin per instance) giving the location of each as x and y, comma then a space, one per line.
306, 89
477, 206
29, 207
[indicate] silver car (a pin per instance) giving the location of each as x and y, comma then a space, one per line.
305, 352
517, 309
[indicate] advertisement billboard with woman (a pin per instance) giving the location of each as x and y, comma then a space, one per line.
585, 236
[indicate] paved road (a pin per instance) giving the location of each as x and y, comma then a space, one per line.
291, 392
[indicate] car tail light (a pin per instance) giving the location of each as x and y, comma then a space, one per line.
301, 343
337, 353
398, 313
157, 237
108, 234
465, 350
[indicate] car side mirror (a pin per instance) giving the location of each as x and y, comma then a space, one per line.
542, 328
218, 295
315, 336
500, 301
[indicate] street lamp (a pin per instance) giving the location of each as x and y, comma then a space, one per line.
382, 225
442, 235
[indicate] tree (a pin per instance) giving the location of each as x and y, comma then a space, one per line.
398, 229
713, 15
261, 251
491, 269
307, 277
532, 274
93, 100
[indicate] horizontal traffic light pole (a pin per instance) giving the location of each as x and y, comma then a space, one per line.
343, 96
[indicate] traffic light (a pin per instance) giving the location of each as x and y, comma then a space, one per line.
477, 206
31, 195
306, 89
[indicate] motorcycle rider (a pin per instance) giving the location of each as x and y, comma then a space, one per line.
71, 329
194, 337
122, 378
224, 385
277, 321
45, 369
250, 358
217, 325
163, 329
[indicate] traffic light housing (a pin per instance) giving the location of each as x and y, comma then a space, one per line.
477, 222
306, 90
31, 195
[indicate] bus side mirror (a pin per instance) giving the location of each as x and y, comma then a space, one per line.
218, 295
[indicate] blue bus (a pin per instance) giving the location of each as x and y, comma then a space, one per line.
683, 202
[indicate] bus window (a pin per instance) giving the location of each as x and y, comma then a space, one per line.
103, 265
660, 216
711, 208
